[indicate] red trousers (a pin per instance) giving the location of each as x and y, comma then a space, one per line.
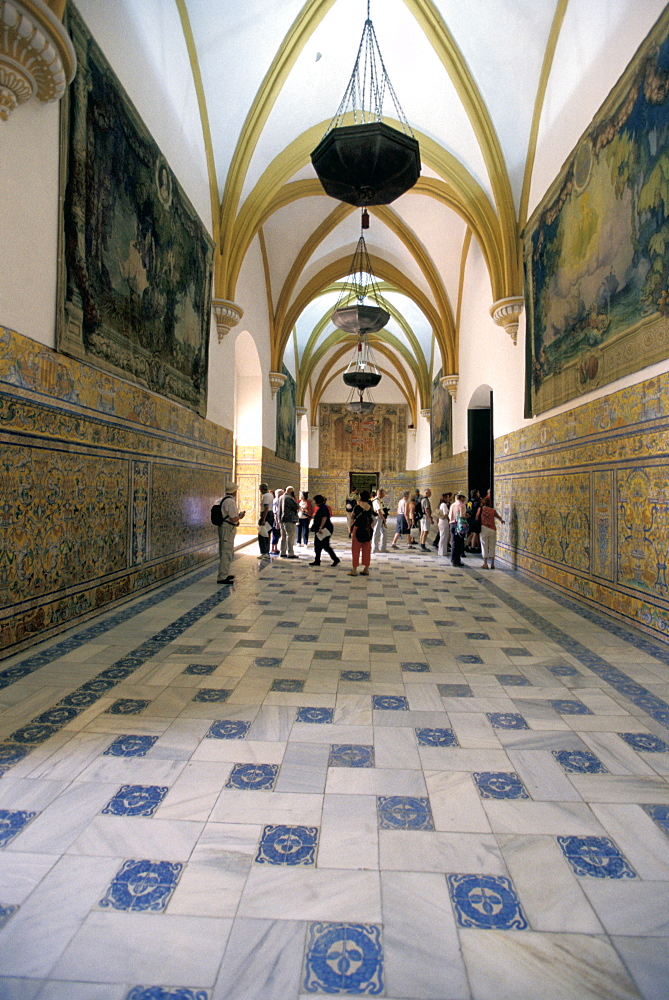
358, 548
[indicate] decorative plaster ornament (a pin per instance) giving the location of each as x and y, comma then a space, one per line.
450, 382
228, 314
36, 55
276, 380
506, 313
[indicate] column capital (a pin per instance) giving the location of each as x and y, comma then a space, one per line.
450, 383
228, 314
37, 57
300, 411
506, 313
427, 413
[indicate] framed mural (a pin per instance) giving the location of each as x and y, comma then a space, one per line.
597, 247
440, 421
135, 261
286, 433
363, 442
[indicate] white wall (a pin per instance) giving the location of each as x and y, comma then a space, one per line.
29, 221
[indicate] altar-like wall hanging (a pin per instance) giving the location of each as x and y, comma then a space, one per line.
363, 442
597, 247
135, 261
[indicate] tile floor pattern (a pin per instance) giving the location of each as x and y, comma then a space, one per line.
427, 784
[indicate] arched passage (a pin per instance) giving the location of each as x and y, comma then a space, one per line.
480, 450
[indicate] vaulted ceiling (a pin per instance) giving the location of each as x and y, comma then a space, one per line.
496, 91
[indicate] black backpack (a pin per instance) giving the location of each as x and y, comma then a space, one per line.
217, 512
418, 509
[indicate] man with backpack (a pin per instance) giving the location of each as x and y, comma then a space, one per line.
227, 521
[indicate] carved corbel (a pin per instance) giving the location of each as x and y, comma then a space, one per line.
506, 313
450, 383
276, 380
36, 55
228, 314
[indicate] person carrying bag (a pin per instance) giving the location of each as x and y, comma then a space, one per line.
361, 534
322, 529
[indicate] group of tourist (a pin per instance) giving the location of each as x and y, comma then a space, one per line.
285, 521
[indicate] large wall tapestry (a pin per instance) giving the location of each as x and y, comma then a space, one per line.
135, 260
597, 248
440, 421
286, 399
363, 442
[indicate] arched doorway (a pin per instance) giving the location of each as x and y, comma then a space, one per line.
480, 449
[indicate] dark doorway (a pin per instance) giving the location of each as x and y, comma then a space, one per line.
363, 481
480, 446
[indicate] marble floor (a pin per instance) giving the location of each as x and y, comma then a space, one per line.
427, 784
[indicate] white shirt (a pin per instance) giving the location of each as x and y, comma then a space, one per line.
443, 511
229, 508
377, 504
402, 506
266, 500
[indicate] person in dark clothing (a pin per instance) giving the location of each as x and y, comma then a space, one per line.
322, 522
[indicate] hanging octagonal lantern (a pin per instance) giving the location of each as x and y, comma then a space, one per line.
367, 164
360, 319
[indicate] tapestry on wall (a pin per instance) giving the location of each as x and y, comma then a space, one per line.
286, 401
597, 248
440, 421
135, 262
363, 442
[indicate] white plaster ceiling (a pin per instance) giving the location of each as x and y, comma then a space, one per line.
197, 68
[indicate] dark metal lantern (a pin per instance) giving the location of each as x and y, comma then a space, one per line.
360, 319
367, 164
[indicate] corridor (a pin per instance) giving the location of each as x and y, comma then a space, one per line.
427, 784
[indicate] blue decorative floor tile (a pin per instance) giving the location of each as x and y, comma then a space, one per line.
477, 636
390, 702
284, 684
5, 913
142, 885
305, 637
59, 715
213, 694
483, 618
130, 746
436, 738
344, 958
499, 785
455, 691
227, 729
432, 643
136, 800
11, 753
253, 777
443, 622
286, 624
127, 706
597, 857
33, 733
327, 654
12, 822
516, 651
355, 675
569, 706
415, 667
646, 742
507, 720
316, 715
359, 633
513, 680
166, 993
268, 661
468, 658
579, 762
80, 699
200, 668
486, 901
402, 627
225, 614
381, 647
237, 629
519, 631
660, 815
563, 670
351, 755
288, 845
403, 812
